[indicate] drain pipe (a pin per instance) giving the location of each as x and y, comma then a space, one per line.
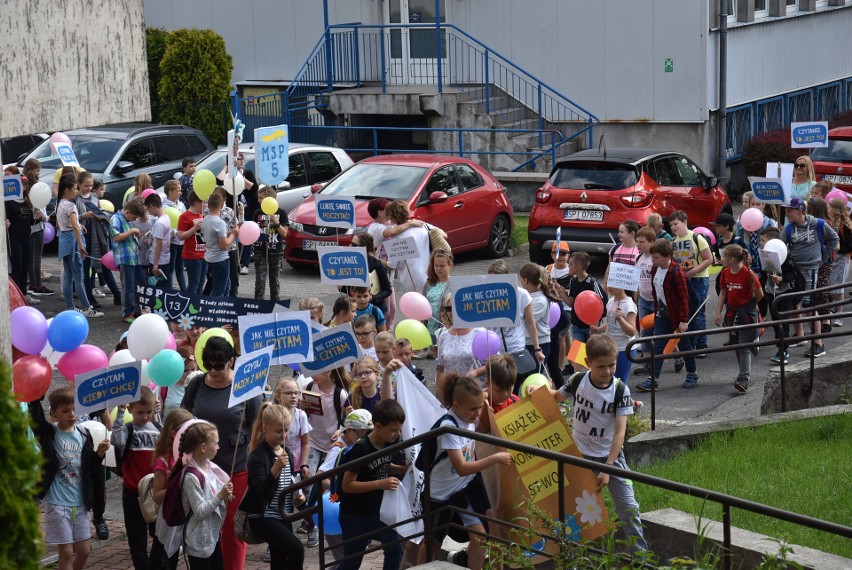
723, 87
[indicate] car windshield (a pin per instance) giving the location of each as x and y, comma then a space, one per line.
838, 150
93, 152
594, 176
371, 180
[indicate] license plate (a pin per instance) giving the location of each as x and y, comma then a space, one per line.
311, 245
838, 179
584, 215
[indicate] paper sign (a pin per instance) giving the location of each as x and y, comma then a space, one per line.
250, 372
107, 388
623, 276
66, 155
485, 301
272, 154
770, 261
769, 190
784, 171
13, 187
335, 211
189, 310
809, 135
343, 265
333, 348
400, 249
577, 354
287, 332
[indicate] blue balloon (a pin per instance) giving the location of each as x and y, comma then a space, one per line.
330, 512
294, 367
67, 331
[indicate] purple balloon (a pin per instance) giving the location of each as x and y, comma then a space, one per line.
49, 233
486, 344
555, 314
29, 330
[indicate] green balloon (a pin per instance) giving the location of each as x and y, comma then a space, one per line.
165, 368
203, 183
173, 214
415, 331
534, 381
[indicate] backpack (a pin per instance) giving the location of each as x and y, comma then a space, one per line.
336, 485
146, 498
577, 377
173, 511
788, 233
426, 461
338, 409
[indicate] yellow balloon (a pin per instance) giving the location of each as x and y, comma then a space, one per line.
107, 206
173, 215
203, 183
126, 196
269, 206
128, 417
202, 342
415, 331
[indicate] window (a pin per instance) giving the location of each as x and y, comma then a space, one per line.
689, 172
298, 176
171, 148
664, 172
444, 180
196, 146
323, 166
140, 153
470, 179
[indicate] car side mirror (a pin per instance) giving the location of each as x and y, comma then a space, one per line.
712, 182
438, 197
284, 186
316, 188
123, 167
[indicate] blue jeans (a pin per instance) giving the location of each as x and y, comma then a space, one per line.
73, 278
175, 267
246, 255
354, 526
196, 271
698, 287
624, 500
663, 326
623, 366
220, 277
131, 275
579, 333
645, 308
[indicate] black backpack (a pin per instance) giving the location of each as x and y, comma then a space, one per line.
426, 461
577, 377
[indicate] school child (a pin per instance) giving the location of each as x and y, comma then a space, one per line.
67, 476
380, 283
693, 253
725, 225
164, 462
403, 352
218, 240
269, 249
135, 444
530, 278
343, 311
186, 179
363, 307
298, 438
437, 280
271, 469
173, 395
315, 306
159, 254
95, 223
365, 391
751, 240
655, 222
383, 345
144, 223
620, 326
173, 200
600, 434
32, 172
72, 249
777, 284
206, 501
194, 247
645, 298
125, 251
839, 219
456, 473
141, 183
500, 375
20, 217
232, 221
365, 334
363, 487
581, 281
560, 277
625, 251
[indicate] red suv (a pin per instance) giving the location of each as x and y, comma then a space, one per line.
834, 162
452, 193
591, 192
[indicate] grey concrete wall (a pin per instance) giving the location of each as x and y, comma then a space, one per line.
832, 384
691, 139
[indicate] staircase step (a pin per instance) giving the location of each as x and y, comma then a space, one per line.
531, 124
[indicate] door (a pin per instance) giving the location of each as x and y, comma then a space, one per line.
698, 203
452, 216
414, 52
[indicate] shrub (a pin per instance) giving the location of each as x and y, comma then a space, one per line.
20, 536
195, 81
772, 146
155, 45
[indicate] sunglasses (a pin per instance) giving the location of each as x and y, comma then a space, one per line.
801, 165
218, 366
448, 310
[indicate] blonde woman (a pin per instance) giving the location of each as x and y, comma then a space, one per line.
804, 178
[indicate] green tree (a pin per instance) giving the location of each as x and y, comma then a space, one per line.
20, 462
195, 80
155, 45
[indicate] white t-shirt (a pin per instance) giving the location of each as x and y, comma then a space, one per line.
324, 426
659, 279
645, 264
559, 274
516, 336
330, 461
613, 329
445, 480
594, 423
298, 427
162, 229
541, 314
417, 268
376, 231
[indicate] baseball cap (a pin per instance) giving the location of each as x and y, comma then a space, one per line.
797, 204
563, 246
358, 419
724, 219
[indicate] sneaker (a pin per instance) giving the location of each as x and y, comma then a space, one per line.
794, 343
458, 557
826, 327
679, 364
776, 359
97, 293
32, 300
818, 351
647, 386
690, 382
101, 529
129, 319
41, 291
303, 528
267, 557
741, 385
313, 538
95, 304
243, 270
838, 323
92, 313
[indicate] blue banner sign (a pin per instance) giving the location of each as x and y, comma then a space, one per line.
250, 372
287, 332
335, 211
272, 158
809, 135
107, 387
343, 266
485, 301
333, 348
66, 155
13, 187
768, 190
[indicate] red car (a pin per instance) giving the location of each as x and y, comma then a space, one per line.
591, 192
452, 193
834, 162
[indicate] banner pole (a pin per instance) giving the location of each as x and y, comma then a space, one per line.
237, 446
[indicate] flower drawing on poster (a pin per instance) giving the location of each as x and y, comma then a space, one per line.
589, 509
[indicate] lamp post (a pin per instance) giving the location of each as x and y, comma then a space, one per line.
723, 85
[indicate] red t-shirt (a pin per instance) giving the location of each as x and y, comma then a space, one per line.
193, 247
509, 401
738, 286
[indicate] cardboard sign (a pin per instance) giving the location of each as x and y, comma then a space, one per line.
190, 310
400, 249
335, 211
623, 276
343, 266
272, 154
769, 190
13, 187
250, 372
66, 155
485, 301
577, 353
770, 261
287, 332
332, 348
107, 387
813, 134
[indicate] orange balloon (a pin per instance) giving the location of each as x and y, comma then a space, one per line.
647, 322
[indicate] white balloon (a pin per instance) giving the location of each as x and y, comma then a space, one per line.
96, 429
235, 185
147, 336
778, 247
40, 195
121, 357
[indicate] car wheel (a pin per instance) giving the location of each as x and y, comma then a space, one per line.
498, 237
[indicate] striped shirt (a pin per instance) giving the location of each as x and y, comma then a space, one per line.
285, 479
124, 252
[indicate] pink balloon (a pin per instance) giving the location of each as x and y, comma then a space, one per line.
171, 344
711, 237
415, 306
109, 261
147, 192
751, 220
838, 194
82, 359
249, 233
58, 137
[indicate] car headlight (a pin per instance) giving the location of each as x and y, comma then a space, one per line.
297, 227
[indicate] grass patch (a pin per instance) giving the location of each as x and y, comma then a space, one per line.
519, 231
801, 466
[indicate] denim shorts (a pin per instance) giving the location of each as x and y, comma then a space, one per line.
65, 525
